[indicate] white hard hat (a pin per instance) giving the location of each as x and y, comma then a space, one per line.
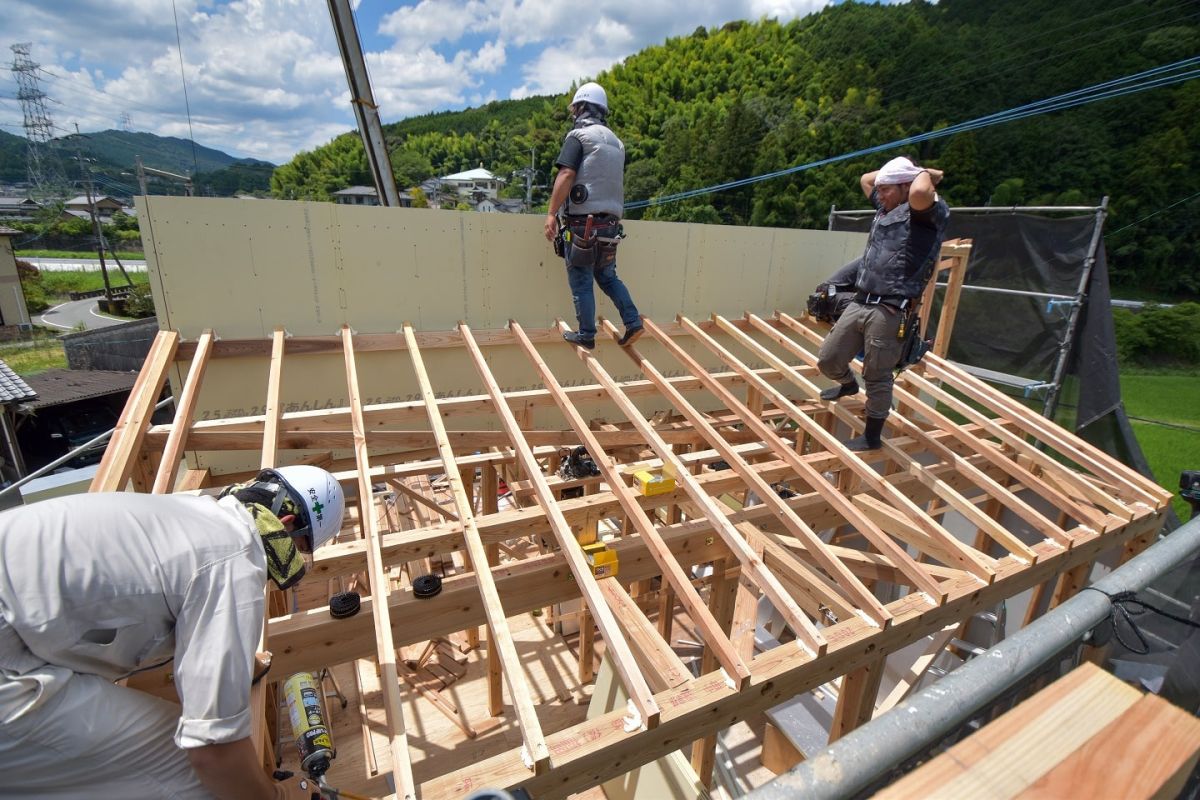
591, 93
319, 495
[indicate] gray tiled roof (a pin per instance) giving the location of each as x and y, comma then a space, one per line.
57, 386
12, 388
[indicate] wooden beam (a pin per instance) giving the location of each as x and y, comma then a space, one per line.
913, 675
413, 494
673, 574
185, 407
273, 409
631, 678
1101, 464
499, 635
660, 664
1059, 471
850, 584
380, 613
908, 428
806, 633
916, 574
126, 444
963, 555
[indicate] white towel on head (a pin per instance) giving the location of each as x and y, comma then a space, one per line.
898, 170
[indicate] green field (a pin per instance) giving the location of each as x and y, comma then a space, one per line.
1172, 442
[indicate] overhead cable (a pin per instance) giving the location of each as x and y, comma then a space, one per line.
1164, 75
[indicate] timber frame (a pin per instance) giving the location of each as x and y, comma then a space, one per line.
855, 557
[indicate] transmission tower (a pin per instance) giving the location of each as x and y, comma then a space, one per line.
126, 122
45, 174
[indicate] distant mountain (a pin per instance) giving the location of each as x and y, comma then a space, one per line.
162, 152
114, 154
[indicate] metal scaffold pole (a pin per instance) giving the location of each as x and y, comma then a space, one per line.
365, 109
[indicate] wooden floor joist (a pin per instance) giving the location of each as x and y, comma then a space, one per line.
861, 554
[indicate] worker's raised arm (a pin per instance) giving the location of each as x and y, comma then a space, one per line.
558, 195
922, 193
867, 182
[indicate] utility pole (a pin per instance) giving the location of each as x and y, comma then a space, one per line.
142, 170
101, 244
528, 173
365, 110
44, 171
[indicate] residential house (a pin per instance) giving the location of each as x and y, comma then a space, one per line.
12, 299
17, 207
366, 196
105, 206
474, 184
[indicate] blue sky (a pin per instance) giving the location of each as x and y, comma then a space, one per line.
264, 78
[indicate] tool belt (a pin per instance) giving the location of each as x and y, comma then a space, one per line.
593, 240
896, 301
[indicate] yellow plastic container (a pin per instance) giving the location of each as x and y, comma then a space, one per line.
652, 483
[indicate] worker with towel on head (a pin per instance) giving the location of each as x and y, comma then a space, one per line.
902, 248
97, 587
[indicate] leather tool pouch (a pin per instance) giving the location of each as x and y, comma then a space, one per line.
597, 250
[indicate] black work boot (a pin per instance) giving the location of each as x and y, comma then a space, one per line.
870, 440
577, 338
841, 390
632, 334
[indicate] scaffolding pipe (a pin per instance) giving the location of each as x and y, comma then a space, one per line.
870, 212
856, 761
1068, 343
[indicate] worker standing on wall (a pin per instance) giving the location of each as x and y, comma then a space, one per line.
96, 587
902, 249
589, 189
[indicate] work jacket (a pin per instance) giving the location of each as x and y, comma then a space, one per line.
901, 251
111, 584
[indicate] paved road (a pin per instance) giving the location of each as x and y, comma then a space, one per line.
66, 316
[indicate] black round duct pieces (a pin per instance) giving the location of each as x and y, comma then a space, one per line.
344, 604
427, 586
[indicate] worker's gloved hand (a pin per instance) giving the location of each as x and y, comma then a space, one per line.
297, 789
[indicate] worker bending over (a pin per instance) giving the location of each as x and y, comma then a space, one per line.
902, 248
590, 191
97, 587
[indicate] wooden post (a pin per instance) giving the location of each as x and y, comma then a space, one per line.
856, 698
720, 601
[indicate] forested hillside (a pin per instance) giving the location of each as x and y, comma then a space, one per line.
752, 98
113, 154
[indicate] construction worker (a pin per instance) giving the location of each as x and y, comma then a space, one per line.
902, 248
97, 587
589, 191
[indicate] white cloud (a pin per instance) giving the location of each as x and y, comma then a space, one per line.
265, 79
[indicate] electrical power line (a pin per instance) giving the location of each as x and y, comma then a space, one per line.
1129, 84
1154, 214
183, 79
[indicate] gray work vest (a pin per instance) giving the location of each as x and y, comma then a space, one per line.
601, 172
885, 268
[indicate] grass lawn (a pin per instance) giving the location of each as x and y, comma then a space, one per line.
1171, 398
28, 359
58, 284
132, 255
